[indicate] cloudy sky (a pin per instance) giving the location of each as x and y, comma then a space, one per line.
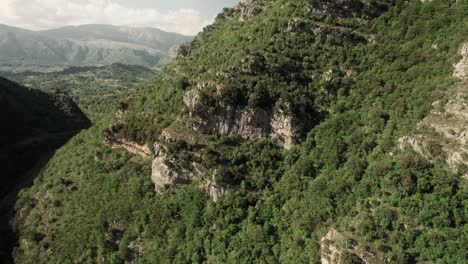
182, 16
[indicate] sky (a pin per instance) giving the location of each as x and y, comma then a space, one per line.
182, 16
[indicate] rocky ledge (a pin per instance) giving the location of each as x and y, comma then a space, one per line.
132, 147
337, 248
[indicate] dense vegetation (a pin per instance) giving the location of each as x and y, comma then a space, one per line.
94, 89
34, 124
364, 82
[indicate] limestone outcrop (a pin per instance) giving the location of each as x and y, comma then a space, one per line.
449, 122
171, 171
249, 9
250, 123
335, 248
165, 171
329, 253
461, 68
132, 147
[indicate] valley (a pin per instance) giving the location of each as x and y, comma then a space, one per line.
286, 131
55, 83
96, 89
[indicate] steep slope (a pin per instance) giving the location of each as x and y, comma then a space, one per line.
444, 132
34, 124
26, 111
89, 45
273, 138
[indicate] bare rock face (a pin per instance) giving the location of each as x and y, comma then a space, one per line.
336, 249
282, 128
168, 172
449, 121
164, 170
132, 147
251, 123
418, 143
191, 98
213, 190
249, 9
329, 253
461, 68
247, 123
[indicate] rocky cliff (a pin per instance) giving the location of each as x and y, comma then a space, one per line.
228, 103
132, 147
342, 86
250, 123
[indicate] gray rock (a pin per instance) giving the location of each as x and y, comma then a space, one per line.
167, 172
250, 123
461, 68
450, 123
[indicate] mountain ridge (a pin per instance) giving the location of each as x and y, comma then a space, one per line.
273, 137
87, 45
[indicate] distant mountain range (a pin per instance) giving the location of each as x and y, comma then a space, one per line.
87, 45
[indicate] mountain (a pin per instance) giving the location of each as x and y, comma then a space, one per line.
88, 45
286, 132
150, 37
34, 125
95, 89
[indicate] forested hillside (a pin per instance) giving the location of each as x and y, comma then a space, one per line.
34, 124
279, 135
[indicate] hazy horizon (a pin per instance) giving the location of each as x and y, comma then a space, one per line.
184, 17
93, 24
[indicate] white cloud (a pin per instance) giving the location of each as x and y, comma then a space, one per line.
46, 14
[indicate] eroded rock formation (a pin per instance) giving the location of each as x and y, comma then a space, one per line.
132, 147
449, 121
461, 68
250, 123
165, 171
336, 248
169, 170
249, 9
